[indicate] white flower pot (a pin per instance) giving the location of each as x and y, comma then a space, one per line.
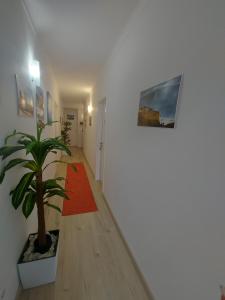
40, 271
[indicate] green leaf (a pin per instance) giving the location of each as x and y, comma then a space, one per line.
9, 136
21, 189
74, 168
52, 144
8, 150
23, 141
60, 178
22, 134
51, 184
32, 166
59, 193
33, 185
55, 161
28, 204
30, 146
53, 206
10, 165
62, 162
41, 126
54, 152
2, 176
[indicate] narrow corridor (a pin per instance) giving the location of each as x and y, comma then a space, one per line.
94, 263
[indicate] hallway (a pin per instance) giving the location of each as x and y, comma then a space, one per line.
94, 263
142, 82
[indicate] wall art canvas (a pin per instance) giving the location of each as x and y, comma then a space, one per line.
40, 104
158, 104
50, 107
25, 99
70, 117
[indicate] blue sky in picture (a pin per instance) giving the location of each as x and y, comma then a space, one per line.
162, 97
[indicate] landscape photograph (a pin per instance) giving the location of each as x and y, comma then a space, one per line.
158, 104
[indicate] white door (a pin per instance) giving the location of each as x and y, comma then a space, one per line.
101, 140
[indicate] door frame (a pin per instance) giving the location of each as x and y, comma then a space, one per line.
101, 125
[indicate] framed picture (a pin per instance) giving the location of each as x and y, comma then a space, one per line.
50, 105
70, 117
158, 104
25, 100
40, 104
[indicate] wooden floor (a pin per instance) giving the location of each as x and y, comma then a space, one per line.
94, 263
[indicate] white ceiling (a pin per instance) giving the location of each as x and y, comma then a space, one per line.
78, 36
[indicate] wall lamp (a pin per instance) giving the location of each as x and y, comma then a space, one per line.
90, 108
34, 69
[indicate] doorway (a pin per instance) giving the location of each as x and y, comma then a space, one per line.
100, 159
71, 116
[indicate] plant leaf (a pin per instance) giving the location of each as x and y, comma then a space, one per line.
8, 150
54, 152
31, 165
59, 193
60, 178
53, 206
30, 137
52, 144
33, 185
10, 165
51, 184
30, 146
41, 126
21, 189
9, 136
61, 162
28, 204
74, 168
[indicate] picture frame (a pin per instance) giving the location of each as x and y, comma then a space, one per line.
50, 107
158, 104
25, 99
40, 112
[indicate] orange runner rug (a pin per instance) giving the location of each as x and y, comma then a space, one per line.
78, 189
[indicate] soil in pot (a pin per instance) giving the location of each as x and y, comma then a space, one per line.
48, 245
31, 251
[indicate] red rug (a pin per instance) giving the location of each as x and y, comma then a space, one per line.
78, 189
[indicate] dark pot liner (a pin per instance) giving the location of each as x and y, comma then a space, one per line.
55, 232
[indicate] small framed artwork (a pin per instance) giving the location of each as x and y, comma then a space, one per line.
40, 104
158, 104
25, 100
70, 117
49, 108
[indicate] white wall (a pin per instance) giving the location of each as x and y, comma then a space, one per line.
19, 44
90, 139
90, 132
166, 186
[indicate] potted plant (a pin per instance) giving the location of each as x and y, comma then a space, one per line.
38, 262
65, 132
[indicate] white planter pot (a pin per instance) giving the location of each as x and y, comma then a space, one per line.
38, 272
